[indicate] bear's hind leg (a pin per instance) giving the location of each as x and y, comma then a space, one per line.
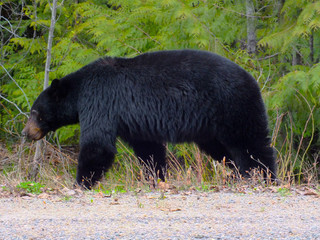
216, 150
250, 158
265, 158
94, 160
153, 155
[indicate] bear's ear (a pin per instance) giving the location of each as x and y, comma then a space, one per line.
55, 84
56, 90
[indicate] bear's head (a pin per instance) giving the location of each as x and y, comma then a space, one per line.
44, 113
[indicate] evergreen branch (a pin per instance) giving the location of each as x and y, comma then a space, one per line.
241, 14
211, 33
16, 84
63, 58
130, 46
208, 30
147, 34
22, 59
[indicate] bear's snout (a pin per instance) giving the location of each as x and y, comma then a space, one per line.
32, 131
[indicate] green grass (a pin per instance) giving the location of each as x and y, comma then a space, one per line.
66, 198
284, 191
30, 187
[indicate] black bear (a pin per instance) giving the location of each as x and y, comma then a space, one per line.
166, 96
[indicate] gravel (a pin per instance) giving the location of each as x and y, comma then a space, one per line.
154, 215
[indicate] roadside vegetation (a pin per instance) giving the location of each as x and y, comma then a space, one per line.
277, 41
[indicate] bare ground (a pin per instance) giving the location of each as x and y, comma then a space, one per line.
166, 215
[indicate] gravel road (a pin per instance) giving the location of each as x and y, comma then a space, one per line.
187, 215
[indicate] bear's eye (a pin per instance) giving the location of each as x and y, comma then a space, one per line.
39, 118
36, 114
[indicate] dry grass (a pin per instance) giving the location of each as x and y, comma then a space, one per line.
55, 171
187, 168
295, 165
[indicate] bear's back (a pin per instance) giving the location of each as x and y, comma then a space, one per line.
172, 58
178, 66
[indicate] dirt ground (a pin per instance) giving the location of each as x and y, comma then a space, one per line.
167, 215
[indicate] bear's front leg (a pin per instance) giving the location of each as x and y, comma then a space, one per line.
94, 161
153, 155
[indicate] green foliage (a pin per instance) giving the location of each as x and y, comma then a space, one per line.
143, 26
109, 191
299, 20
31, 187
68, 134
298, 93
284, 192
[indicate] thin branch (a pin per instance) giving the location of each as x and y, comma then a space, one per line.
50, 39
147, 34
16, 84
60, 4
267, 57
13, 31
16, 106
38, 156
26, 53
130, 46
10, 31
301, 55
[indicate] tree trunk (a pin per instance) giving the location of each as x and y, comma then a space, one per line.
296, 57
311, 42
49, 47
40, 146
277, 9
251, 27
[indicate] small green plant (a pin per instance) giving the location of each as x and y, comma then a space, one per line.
140, 205
119, 189
106, 192
31, 187
110, 190
284, 191
204, 187
67, 198
162, 196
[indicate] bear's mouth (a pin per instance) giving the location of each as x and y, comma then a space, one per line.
37, 135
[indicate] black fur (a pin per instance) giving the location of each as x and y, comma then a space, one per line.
168, 96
